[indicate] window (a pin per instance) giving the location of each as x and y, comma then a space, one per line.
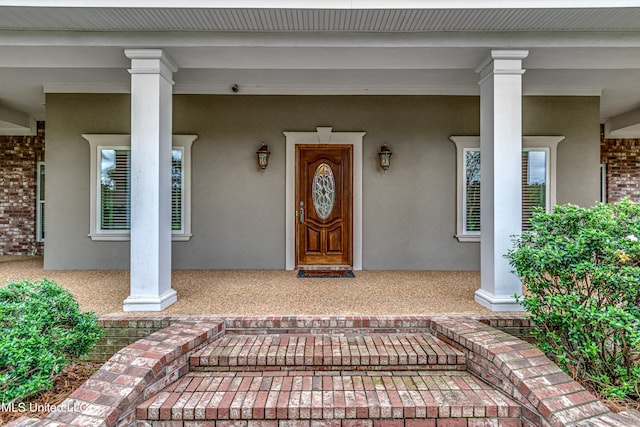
177, 181
115, 189
471, 191
535, 173
538, 181
40, 202
603, 182
534, 186
111, 194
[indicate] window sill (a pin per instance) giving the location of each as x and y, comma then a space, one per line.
468, 238
99, 237
181, 237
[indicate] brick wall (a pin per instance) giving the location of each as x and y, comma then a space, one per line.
622, 157
18, 158
121, 331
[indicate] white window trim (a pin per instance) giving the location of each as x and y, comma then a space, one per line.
466, 143
120, 141
39, 202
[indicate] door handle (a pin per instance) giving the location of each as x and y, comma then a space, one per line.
301, 215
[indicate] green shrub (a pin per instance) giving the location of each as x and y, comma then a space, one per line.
581, 271
41, 331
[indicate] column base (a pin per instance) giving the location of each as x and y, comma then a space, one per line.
150, 302
497, 303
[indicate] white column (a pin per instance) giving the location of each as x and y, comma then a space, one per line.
501, 176
151, 115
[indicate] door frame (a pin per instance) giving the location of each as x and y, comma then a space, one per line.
322, 135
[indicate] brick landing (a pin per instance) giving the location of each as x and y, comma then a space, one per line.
496, 362
324, 352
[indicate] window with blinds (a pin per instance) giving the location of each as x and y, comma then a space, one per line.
534, 184
534, 187
177, 180
472, 192
115, 189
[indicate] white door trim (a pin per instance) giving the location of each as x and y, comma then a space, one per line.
323, 135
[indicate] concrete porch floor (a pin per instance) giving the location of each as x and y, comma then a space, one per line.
263, 292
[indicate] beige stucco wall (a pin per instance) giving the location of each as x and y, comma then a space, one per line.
578, 119
238, 211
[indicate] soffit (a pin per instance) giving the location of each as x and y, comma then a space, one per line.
308, 49
315, 20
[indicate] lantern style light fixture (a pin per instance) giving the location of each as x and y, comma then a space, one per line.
385, 157
263, 156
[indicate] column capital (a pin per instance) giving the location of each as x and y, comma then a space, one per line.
151, 61
502, 62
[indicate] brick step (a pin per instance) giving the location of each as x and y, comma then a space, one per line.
625, 418
328, 352
337, 396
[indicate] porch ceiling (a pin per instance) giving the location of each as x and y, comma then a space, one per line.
130, 17
343, 47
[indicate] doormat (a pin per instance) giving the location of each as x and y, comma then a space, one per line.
325, 274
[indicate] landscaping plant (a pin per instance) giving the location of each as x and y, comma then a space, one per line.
580, 268
41, 331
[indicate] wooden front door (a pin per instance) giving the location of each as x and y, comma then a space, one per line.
324, 224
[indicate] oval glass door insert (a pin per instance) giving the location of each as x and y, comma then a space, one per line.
324, 191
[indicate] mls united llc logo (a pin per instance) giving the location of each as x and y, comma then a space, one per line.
41, 407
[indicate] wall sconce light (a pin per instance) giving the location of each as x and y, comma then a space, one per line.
263, 156
385, 157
